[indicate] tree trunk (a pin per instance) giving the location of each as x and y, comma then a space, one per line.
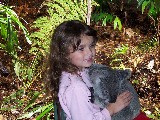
89, 12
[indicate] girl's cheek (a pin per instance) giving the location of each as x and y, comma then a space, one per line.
94, 51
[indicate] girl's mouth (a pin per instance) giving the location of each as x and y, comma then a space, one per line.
89, 60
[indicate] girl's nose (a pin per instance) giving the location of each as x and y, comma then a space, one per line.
89, 51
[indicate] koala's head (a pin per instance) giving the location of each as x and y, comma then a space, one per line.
108, 83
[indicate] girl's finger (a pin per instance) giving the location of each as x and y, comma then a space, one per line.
124, 94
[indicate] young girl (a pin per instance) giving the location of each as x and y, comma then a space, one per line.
72, 51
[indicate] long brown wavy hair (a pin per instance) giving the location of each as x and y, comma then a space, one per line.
66, 35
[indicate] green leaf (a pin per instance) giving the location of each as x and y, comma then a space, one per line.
13, 17
109, 17
36, 110
145, 3
3, 30
29, 73
135, 81
2, 46
36, 94
104, 21
140, 2
117, 23
47, 110
153, 11
10, 46
17, 67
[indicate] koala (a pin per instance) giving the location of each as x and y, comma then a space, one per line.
108, 83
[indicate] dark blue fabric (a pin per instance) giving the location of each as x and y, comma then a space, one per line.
58, 112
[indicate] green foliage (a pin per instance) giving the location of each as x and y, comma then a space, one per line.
8, 22
10, 25
104, 16
13, 101
153, 10
58, 11
152, 6
154, 116
135, 82
148, 45
16, 101
40, 110
31, 102
102, 5
28, 70
117, 23
122, 50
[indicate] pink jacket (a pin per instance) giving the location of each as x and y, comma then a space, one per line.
74, 97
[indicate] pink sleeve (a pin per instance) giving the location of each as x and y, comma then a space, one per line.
80, 107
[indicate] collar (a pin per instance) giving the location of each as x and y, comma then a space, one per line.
68, 78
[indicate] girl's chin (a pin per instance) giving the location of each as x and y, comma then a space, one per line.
88, 64
85, 66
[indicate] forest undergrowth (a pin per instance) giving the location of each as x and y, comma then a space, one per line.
120, 50
127, 49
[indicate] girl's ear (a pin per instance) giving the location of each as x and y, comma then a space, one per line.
70, 50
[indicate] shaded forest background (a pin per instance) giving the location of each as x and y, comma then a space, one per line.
131, 47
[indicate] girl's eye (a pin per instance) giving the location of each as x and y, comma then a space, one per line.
92, 45
81, 49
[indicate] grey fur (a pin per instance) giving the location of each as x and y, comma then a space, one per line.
107, 84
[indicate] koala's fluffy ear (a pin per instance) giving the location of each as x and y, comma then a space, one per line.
124, 74
98, 67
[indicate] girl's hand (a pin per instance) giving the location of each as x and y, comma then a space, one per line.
122, 101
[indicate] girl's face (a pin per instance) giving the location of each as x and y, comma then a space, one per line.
84, 55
